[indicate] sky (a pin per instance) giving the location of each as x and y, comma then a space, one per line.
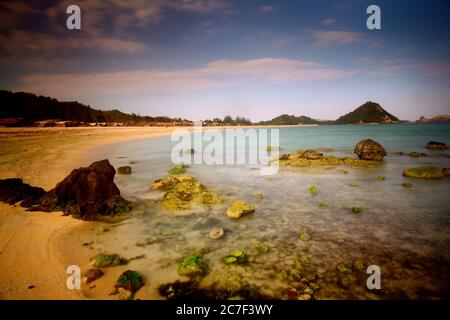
199, 59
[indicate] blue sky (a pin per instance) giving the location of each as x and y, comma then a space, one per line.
200, 59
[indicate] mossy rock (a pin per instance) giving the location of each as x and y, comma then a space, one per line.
182, 191
357, 210
314, 159
343, 268
237, 257
313, 190
179, 169
102, 260
239, 208
191, 266
359, 265
424, 173
130, 280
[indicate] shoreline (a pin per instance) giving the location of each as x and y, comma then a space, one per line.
31, 242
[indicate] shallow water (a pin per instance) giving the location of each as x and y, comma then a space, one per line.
404, 231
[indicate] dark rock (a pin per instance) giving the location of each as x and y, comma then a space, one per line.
93, 274
434, 145
370, 150
87, 193
446, 172
124, 170
14, 190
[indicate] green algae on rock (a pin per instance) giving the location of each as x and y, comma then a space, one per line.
424, 173
237, 257
191, 266
262, 248
239, 208
183, 190
314, 159
102, 260
178, 169
130, 280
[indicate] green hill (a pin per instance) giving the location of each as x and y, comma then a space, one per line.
29, 108
286, 119
369, 112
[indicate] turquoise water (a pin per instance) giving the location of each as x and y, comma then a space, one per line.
405, 231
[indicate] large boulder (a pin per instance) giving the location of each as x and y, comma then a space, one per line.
370, 150
434, 145
14, 190
87, 193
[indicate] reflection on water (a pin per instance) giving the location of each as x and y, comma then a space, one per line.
404, 231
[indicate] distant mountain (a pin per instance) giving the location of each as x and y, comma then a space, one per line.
286, 119
29, 108
441, 118
369, 112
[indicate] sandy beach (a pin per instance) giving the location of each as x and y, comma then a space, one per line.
34, 248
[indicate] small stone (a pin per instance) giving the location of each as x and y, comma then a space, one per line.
216, 233
107, 260
357, 210
308, 290
407, 185
93, 274
381, 178
191, 266
124, 170
304, 297
358, 265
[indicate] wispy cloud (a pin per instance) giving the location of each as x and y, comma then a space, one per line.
216, 74
324, 38
267, 8
394, 66
328, 21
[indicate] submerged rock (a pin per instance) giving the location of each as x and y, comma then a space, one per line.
259, 196
313, 190
216, 233
237, 257
102, 260
407, 185
424, 173
314, 159
434, 145
128, 283
239, 208
181, 191
381, 178
14, 190
357, 210
93, 274
417, 154
370, 150
191, 266
87, 193
124, 170
446, 172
